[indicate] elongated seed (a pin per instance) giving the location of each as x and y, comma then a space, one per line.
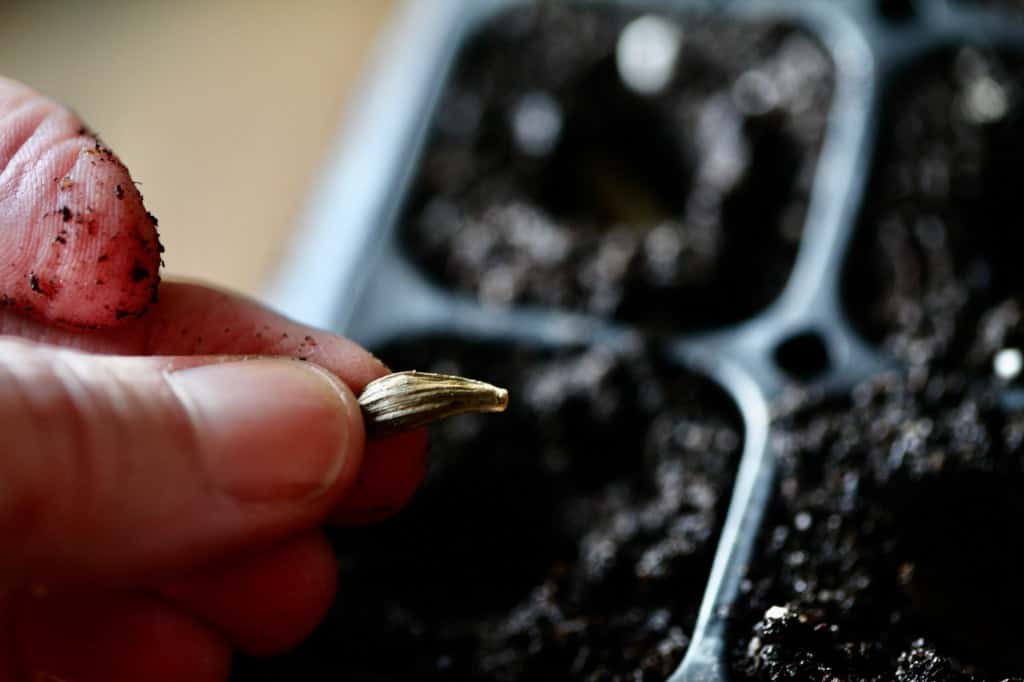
406, 400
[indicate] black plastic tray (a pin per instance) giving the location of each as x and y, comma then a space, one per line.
350, 275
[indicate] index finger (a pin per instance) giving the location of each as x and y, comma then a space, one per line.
191, 319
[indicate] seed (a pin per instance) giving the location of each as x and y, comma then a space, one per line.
407, 400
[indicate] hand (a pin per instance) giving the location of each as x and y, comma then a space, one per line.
160, 489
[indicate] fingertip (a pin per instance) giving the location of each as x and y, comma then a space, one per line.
81, 251
393, 469
267, 603
114, 638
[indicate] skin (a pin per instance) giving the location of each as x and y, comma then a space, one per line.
101, 439
79, 247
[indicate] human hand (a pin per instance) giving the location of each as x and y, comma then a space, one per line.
160, 489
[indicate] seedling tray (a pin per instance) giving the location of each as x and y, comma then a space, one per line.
814, 308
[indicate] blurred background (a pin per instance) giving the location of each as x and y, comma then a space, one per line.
223, 110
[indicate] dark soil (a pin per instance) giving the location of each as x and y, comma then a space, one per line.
893, 551
569, 538
548, 180
940, 244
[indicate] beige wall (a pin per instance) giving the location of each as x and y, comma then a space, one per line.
221, 109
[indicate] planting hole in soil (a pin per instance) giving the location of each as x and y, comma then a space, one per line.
938, 245
654, 169
892, 550
569, 538
803, 356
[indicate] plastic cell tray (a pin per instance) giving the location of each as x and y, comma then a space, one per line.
351, 271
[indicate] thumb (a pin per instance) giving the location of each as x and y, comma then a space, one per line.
121, 467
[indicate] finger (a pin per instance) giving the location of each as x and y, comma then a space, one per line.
393, 469
79, 248
8, 670
114, 638
95, 264
192, 319
115, 467
195, 320
266, 603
